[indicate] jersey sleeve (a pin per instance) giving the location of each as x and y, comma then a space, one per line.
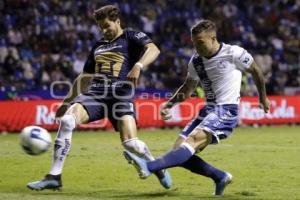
241, 58
89, 65
192, 74
139, 37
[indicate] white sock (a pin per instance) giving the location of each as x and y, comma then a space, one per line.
62, 143
138, 147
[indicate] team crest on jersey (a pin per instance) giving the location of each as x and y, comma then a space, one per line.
221, 64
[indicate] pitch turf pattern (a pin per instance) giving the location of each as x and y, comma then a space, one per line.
264, 161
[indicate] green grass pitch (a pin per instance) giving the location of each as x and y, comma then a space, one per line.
265, 163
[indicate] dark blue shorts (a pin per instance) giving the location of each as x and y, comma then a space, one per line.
219, 120
101, 107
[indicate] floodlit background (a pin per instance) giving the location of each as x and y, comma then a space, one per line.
43, 42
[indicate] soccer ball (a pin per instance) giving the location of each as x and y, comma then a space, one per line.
35, 140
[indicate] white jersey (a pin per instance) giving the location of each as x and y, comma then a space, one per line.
221, 74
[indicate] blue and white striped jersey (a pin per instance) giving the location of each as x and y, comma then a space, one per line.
221, 74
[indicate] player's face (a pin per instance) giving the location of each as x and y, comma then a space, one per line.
110, 29
204, 43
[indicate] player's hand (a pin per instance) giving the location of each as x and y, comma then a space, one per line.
265, 105
134, 74
61, 110
165, 112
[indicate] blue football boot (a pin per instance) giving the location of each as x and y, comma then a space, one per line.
52, 182
164, 178
221, 185
141, 165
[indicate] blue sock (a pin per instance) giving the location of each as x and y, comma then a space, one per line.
197, 165
173, 158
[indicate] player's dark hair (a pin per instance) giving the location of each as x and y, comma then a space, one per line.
110, 11
203, 25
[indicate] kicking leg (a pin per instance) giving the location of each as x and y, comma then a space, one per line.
197, 165
128, 130
130, 141
198, 139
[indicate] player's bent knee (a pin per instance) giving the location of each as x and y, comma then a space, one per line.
67, 122
135, 145
78, 111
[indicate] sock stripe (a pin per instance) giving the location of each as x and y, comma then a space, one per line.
188, 146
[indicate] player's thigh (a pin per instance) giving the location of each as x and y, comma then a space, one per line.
220, 122
90, 108
180, 139
194, 123
127, 127
79, 112
199, 139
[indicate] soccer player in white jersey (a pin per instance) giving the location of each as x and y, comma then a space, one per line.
219, 68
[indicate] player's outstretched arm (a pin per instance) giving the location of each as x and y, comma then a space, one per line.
150, 54
80, 85
258, 78
182, 93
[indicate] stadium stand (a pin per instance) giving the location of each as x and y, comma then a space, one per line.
48, 40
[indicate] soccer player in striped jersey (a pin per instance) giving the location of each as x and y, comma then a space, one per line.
218, 67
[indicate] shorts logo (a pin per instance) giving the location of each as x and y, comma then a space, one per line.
219, 133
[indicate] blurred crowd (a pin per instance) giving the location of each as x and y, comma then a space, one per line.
43, 41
